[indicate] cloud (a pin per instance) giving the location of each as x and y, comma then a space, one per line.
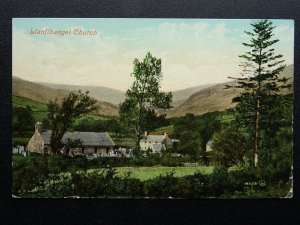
192, 54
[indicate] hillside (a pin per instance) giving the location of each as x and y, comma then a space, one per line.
98, 92
43, 94
197, 100
181, 95
210, 99
116, 96
214, 98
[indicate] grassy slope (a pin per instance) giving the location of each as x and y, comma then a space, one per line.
181, 95
39, 112
40, 109
161, 130
215, 98
101, 93
23, 102
41, 93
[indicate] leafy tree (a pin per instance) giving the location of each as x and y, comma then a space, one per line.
201, 128
229, 147
22, 119
61, 116
190, 143
259, 83
90, 124
186, 129
154, 121
143, 96
281, 155
208, 125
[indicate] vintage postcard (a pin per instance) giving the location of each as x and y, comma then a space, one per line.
152, 108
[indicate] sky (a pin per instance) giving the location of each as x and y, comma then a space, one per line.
193, 51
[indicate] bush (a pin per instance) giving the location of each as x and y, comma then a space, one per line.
60, 185
61, 176
28, 172
199, 185
160, 186
229, 147
281, 156
219, 182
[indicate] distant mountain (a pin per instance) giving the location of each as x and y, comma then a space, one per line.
116, 96
214, 98
181, 95
101, 93
197, 100
44, 94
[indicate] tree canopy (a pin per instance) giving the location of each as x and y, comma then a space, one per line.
22, 119
144, 97
61, 116
260, 84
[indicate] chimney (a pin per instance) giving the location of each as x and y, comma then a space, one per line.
38, 127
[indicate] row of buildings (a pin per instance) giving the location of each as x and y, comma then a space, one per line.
97, 144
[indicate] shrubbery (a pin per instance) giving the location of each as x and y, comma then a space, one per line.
61, 176
58, 177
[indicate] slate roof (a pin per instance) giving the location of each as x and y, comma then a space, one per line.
155, 138
88, 138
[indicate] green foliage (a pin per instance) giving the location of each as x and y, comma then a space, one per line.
161, 186
281, 156
61, 116
257, 108
219, 182
57, 185
27, 173
18, 101
209, 124
98, 125
190, 142
20, 141
57, 176
153, 121
38, 109
228, 148
186, 130
22, 119
194, 132
143, 97
164, 129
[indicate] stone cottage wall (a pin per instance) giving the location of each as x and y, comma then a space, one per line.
36, 144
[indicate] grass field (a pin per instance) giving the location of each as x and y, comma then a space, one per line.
226, 118
161, 130
146, 173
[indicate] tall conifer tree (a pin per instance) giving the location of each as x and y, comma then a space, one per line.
260, 84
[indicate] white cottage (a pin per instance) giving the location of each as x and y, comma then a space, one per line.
155, 143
